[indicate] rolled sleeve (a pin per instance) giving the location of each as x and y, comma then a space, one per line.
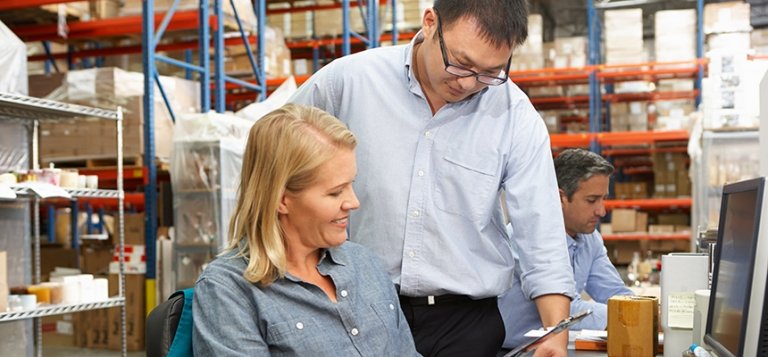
535, 215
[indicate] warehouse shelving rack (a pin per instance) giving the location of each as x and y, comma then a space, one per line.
30, 112
214, 82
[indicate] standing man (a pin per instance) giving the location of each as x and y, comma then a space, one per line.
583, 178
441, 132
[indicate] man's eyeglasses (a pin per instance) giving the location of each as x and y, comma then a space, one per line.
463, 72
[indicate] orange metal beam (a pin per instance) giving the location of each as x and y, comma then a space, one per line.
640, 137
649, 203
111, 27
570, 140
629, 152
124, 50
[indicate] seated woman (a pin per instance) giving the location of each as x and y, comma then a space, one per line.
289, 283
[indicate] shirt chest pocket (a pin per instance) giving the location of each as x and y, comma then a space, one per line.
297, 336
466, 185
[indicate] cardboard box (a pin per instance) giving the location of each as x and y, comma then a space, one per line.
641, 222
661, 228
59, 330
732, 16
623, 220
633, 326
52, 256
620, 252
680, 219
134, 229
93, 329
95, 260
135, 313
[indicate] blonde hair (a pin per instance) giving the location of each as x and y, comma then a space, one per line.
284, 151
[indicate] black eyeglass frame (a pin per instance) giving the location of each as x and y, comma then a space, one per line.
463, 72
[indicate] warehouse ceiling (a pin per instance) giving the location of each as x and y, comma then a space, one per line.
564, 18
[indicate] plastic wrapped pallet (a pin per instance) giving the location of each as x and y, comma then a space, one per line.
530, 55
108, 88
16, 337
13, 79
624, 36
724, 17
675, 35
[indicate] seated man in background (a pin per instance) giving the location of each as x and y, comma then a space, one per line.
582, 178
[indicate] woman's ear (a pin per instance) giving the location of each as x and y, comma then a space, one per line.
282, 207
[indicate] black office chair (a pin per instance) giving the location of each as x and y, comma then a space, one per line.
163, 323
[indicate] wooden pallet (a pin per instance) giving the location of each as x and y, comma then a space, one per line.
101, 162
38, 16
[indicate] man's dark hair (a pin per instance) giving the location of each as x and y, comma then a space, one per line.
575, 165
502, 22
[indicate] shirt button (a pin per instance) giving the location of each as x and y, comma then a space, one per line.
421, 173
344, 293
354, 332
411, 254
391, 307
428, 134
416, 213
299, 325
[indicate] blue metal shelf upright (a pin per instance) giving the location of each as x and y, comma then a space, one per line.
594, 30
151, 37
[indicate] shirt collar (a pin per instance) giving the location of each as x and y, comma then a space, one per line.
336, 255
408, 61
574, 243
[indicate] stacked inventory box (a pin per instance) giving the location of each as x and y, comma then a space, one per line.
629, 116
109, 88
624, 37
675, 35
530, 55
670, 174
731, 91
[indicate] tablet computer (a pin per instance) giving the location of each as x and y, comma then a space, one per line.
561, 326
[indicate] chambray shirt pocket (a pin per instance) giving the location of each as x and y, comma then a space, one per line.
465, 185
296, 336
388, 313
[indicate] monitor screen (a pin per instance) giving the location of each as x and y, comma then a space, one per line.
734, 255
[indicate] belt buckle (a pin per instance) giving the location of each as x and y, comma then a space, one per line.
430, 300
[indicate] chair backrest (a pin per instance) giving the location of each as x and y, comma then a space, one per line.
169, 326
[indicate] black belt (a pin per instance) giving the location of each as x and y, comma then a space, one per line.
435, 300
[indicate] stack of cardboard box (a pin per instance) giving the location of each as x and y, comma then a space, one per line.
670, 175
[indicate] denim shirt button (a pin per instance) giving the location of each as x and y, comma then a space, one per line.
344, 293
391, 306
299, 325
354, 332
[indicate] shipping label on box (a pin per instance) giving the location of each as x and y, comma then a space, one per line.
633, 326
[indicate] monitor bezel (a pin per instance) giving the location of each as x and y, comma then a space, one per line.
757, 184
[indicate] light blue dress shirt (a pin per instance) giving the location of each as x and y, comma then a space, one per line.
594, 273
234, 317
429, 185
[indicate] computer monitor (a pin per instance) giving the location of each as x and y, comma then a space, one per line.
736, 323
